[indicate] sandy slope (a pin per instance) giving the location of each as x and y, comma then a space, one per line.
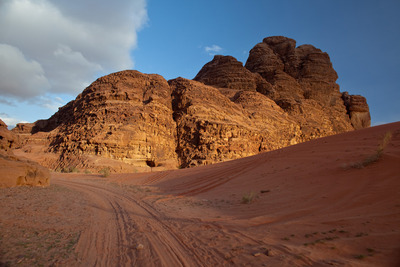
308, 207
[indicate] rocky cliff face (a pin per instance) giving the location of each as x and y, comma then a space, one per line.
283, 95
14, 170
301, 80
126, 116
213, 126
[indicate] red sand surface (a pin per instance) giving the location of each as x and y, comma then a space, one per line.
305, 205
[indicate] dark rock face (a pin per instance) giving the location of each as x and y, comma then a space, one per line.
283, 95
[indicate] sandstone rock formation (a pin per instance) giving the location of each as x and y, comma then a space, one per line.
358, 110
301, 80
227, 72
283, 95
8, 140
125, 116
214, 127
15, 171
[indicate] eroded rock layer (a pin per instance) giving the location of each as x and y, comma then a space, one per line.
125, 116
283, 95
14, 170
213, 127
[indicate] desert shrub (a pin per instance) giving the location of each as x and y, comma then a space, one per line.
105, 172
376, 155
248, 198
69, 169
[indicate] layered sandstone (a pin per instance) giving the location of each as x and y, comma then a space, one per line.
213, 127
227, 72
301, 80
126, 116
14, 170
127, 120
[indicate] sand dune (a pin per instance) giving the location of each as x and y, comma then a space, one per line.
311, 204
308, 199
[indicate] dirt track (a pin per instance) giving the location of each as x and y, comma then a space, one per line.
125, 231
309, 209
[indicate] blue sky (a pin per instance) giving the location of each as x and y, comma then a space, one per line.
176, 38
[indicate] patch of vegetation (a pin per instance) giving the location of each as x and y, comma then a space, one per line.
360, 256
376, 155
105, 172
321, 241
248, 198
361, 234
69, 169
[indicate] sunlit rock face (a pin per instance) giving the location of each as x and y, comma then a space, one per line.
14, 170
283, 95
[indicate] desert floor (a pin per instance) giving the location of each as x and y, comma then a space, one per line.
320, 203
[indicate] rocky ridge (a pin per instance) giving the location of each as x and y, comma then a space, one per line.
129, 120
14, 170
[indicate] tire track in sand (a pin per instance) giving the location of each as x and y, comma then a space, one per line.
120, 222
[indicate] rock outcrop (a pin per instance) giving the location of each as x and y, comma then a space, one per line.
125, 116
8, 140
283, 95
358, 110
227, 72
301, 80
213, 127
16, 171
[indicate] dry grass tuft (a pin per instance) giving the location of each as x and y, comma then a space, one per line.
375, 156
105, 172
248, 198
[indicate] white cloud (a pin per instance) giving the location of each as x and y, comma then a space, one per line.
61, 46
20, 76
213, 50
11, 122
49, 102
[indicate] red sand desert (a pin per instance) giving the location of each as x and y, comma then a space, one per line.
311, 204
